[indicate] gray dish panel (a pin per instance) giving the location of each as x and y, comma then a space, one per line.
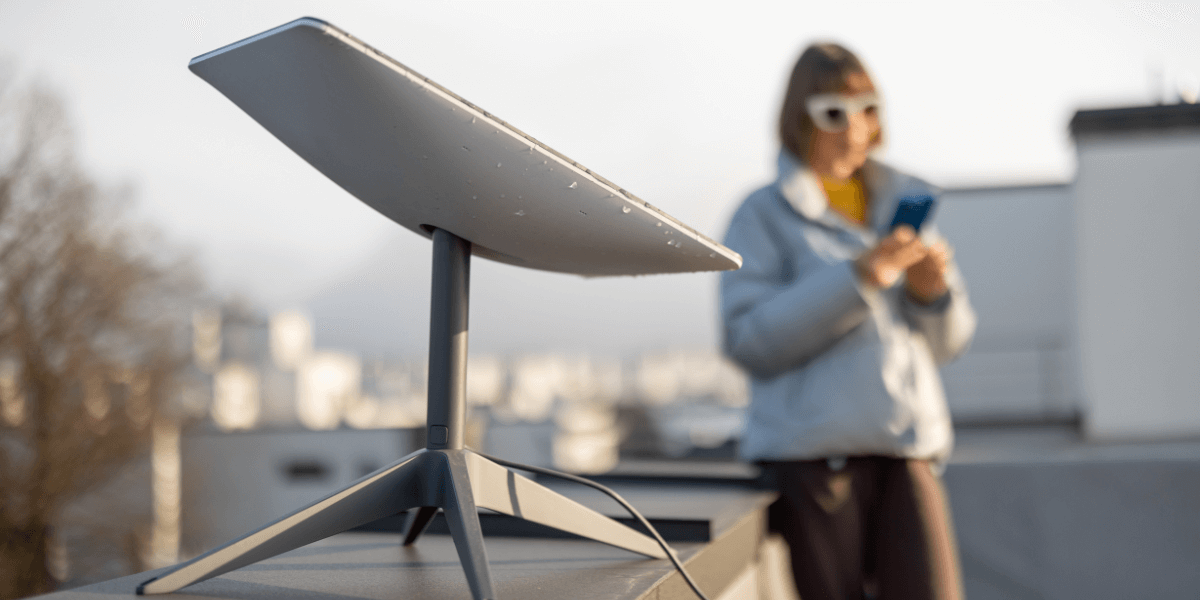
424, 157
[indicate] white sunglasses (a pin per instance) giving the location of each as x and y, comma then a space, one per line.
831, 112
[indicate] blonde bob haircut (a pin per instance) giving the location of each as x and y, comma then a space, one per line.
822, 69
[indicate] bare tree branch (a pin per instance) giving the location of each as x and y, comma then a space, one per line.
87, 337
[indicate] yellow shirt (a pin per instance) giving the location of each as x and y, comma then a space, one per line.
848, 198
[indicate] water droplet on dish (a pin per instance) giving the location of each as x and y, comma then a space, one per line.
466, 148
520, 213
658, 224
472, 119
497, 165
574, 184
625, 209
501, 195
712, 254
543, 162
670, 242
678, 244
474, 197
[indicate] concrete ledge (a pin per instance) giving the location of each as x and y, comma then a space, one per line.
375, 565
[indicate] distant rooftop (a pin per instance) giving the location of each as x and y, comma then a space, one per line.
1136, 118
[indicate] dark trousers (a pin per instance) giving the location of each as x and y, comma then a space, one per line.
876, 527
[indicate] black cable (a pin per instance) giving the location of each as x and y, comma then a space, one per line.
615, 496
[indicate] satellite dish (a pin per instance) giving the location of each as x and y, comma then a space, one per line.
426, 158
446, 169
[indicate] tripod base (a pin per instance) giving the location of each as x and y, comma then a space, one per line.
457, 481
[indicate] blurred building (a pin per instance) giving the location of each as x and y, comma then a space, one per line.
282, 417
1084, 289
1014, 245
234, 483
1137, 203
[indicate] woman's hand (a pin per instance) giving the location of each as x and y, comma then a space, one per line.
897, 253
926, 279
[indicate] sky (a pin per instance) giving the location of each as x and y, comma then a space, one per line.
674, 101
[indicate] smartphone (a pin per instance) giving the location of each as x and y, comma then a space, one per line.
912, 211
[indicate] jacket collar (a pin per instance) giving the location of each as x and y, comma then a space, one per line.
802, 189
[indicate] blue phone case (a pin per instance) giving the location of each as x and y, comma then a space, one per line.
912, 211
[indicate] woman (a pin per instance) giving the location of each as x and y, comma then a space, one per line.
842, 325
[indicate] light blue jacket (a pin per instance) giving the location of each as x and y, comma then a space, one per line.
837, 368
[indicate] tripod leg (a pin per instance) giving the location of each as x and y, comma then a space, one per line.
459, 506
385, 492
503, 491
416, 522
